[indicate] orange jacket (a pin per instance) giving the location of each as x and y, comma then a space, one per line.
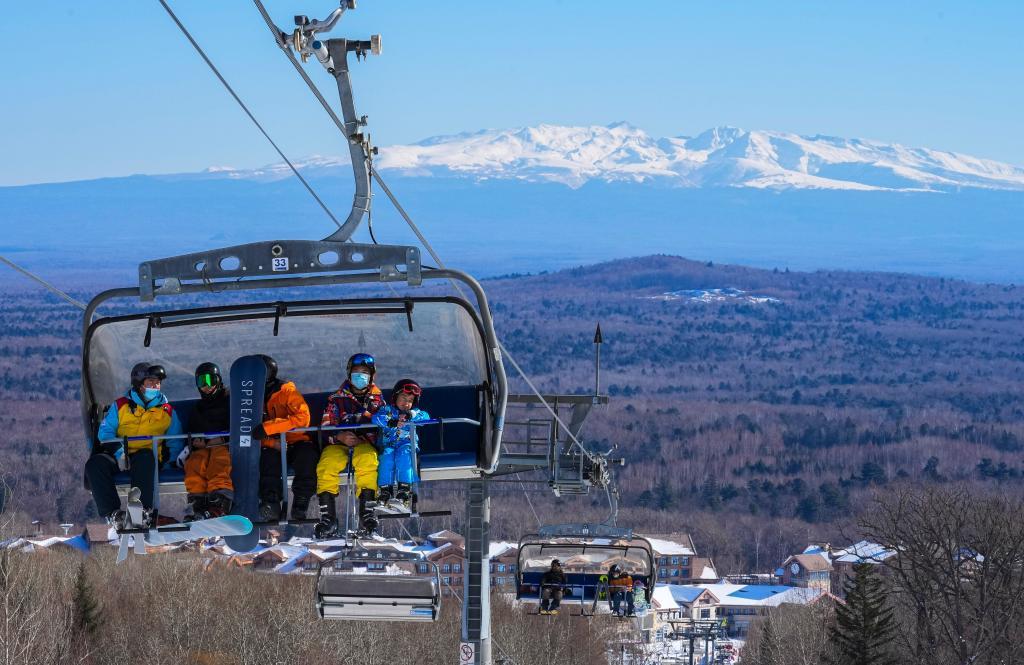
624, 581
285, 409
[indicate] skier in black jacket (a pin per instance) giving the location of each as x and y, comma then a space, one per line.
207, 462
551, 586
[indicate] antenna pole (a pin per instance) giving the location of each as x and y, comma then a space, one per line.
598, 341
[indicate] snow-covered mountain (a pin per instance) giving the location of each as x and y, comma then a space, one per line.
719, 157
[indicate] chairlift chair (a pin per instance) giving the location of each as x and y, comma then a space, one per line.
368, 583
587, 552
448, 343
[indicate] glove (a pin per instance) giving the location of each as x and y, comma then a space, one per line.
122, 459
182, 456
258, 432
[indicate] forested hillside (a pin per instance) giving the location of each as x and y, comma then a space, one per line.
766, 412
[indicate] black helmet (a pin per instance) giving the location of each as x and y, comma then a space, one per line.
364, 359
143, 371
407, 386
271, 367
208, 374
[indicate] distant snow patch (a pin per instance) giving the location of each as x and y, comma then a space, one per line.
727, 294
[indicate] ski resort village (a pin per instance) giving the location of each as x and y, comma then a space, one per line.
694, 614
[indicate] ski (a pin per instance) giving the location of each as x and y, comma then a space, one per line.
248, 379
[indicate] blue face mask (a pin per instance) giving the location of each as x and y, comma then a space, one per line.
150, 394
359, 380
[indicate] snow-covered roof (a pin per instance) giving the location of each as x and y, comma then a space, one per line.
500, 547
708, 573
673, 596
668, 547
863, 552
761, 595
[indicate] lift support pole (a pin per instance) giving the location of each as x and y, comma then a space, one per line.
476, 606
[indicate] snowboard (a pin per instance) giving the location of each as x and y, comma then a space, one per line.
215, 527
247, 379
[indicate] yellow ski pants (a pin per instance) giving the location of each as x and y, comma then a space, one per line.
334, 461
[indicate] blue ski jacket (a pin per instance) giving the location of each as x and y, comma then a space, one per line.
396, 436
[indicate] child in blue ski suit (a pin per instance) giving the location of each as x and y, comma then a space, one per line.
397, 469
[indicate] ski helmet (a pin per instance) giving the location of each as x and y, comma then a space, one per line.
143, 371
271, 365
364, 359
407, 386
207, 375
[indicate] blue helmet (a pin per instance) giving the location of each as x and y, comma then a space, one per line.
364, 359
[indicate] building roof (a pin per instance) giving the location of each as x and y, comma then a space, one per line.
762, 595
680, 544
675, 596
500, 548
810, 562
863, 552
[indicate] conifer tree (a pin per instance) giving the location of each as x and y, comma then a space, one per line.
86, 608
864, 625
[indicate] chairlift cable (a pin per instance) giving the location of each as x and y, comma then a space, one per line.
44, 283
280, 40
529, 501
245, 108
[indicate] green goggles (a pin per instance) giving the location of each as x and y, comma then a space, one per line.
207, 380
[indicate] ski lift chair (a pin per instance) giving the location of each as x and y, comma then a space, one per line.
587, 552
447, 343
378, 584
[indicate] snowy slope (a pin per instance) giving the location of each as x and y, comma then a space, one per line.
719, 157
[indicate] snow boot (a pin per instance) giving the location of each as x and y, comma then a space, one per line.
327, 527
300, 507
270, 511
197, 504
218, 505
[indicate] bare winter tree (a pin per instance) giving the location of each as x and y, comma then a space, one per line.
957, 573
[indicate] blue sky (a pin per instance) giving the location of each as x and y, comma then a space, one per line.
112, 88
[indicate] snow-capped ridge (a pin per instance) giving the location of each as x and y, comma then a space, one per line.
717, 157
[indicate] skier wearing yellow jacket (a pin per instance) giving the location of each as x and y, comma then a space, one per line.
354, 403
284, 409
142, 411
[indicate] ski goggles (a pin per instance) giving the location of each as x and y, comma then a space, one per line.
207, 380
410, 389
364, 359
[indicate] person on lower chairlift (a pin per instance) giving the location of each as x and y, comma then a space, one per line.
552, 586
397, 471
284, 409
620, 584
142, 411
354, 403
207, 462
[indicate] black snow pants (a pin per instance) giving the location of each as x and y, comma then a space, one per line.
302, 458
100, 470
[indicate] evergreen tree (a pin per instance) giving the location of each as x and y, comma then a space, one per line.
769, 646
86, 609
864, 624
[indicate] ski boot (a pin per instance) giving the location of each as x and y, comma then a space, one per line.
367, 518
402, 503
327, 527
270, 511
118, 519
